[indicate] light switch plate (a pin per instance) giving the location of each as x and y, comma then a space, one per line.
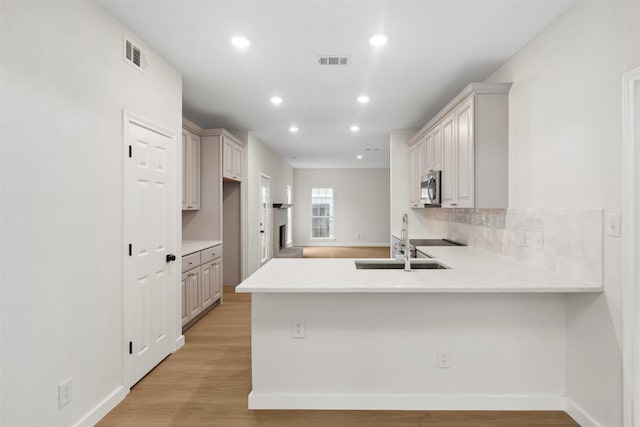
613, 225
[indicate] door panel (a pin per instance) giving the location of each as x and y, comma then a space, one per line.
448, 166
465, 156
150, 215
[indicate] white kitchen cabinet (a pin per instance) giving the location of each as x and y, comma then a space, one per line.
468, 142
231, 159
463, 166
194, 283
434, 155
448, 154
211, 283
201, 283
418, 168
190, 171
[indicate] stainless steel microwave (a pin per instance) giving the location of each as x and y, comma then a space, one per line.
430, 189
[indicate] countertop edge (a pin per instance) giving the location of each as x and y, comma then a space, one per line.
192, 246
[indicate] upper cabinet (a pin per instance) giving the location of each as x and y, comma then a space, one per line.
231, 159
468, 141
190, 170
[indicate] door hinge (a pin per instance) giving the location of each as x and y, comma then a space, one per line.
130, 151
130, 249
130, 347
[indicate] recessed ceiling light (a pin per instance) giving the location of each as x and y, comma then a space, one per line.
240, 42
276, 100
354, 128
293, 129
378, 40
359, 157
363, 99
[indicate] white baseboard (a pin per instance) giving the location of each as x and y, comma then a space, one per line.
413, 402
580, 416
179, 342
333, 243
103, 408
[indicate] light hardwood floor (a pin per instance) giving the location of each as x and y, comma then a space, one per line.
346, 252
207, 381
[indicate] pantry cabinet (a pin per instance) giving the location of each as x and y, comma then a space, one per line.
468, 141
231, 159
190, 170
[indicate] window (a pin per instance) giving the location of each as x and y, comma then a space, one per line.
322, 213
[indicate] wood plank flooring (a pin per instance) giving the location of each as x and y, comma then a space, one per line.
207, 381
346, 252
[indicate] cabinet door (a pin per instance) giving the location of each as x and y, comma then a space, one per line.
237, 162
185, 300
217, 280
464, 155
436, 142
185, 179
422, 159
227, 159
414, 181
428, 148
206, 294
193, 172
448, 165
193, 285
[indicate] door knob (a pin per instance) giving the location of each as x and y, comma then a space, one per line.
171, 257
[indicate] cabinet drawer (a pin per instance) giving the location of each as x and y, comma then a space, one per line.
190, 261
210, 254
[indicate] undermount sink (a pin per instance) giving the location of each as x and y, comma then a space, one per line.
393, 264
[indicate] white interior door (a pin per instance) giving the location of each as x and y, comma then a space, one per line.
265, 209
150, 218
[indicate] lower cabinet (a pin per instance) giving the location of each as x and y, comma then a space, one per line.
201, 283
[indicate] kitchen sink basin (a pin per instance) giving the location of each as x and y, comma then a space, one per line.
399, 265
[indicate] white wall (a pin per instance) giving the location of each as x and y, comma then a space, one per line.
260, 159
564, 148
361, 206
64, 86
400, 178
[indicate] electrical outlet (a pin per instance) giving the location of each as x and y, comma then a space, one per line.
64, 393
538, 240
613, 225
522, 238
297, 328
444, 357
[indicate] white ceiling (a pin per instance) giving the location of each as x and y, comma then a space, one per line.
435, 48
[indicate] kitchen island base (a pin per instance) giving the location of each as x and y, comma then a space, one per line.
380, 351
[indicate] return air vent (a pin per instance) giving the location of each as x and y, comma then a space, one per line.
333, 60
135, 56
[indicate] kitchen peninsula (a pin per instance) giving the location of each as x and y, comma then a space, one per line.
485, 333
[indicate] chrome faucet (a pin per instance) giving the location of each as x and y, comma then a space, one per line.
404, 237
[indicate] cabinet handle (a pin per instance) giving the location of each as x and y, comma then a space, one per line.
454, 204
189, 207
190, 263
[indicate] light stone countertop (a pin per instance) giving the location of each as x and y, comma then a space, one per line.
471, 271
192, 246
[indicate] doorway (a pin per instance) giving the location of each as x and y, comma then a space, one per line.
150, 221
630, 247
264, 217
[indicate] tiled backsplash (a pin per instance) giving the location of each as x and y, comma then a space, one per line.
569, 242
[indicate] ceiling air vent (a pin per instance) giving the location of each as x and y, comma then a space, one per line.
135, 56
333, 60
